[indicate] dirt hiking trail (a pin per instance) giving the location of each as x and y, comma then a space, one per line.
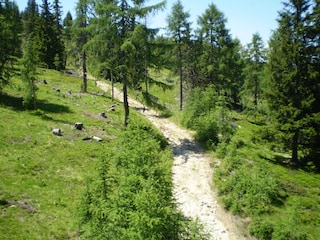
192, 176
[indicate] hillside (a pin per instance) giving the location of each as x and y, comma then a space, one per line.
43, 175
51, 185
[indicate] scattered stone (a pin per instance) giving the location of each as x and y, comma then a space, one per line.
69, 92
57, 131
44, 82
71, 73
56, 89
113, 107
78, 125
234, 125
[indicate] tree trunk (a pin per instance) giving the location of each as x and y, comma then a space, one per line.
255, 92
84, 68
180, 70
294, 156
125, 102
112, 86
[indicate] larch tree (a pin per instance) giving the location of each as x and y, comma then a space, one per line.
293, 92
220, 61
81, 32
118, 45
28, 73
179, 29
255, 59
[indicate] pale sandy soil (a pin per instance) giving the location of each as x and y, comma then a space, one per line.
192, 176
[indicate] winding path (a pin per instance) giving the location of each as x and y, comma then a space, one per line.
192, 176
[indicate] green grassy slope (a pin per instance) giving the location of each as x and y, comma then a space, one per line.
43, 175
255, 181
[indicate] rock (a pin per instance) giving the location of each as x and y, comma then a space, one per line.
78, 125
56, 89
57, 131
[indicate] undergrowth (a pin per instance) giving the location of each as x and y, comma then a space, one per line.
254, 180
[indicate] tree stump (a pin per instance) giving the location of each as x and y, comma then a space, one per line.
57, 131
78, 125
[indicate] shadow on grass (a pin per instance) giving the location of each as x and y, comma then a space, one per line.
52, 107
17, 104
152, 102
44, 108
277, 159
11, 101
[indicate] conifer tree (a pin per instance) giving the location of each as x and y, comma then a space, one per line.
10, 41
180, 31
255, 59
44, 36
28, 73
220, 61
67, 36
30, 17
84, 10
294, 78
58, 36
117, 45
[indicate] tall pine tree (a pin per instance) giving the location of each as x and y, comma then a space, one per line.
294, 78
220, 62
180, 31
255, 59
28, 73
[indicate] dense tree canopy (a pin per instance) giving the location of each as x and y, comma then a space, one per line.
10, 28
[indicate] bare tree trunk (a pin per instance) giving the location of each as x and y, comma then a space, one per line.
125, 102
112, 86
180, 70
84, 69
294, 156
256, 92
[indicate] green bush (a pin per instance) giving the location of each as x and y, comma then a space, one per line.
261, 229
131, 195
208, 115
249, 192
207, 130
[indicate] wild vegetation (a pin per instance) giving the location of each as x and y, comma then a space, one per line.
255, 107
67, 186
